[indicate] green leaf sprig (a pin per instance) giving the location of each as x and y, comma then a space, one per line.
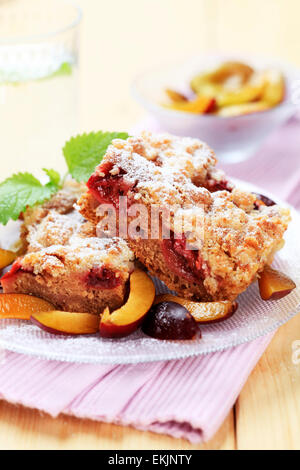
23, 190
82, 154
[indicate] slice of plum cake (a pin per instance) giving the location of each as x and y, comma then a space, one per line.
65, 262
233, 234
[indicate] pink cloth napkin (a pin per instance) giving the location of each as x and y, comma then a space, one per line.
187, 398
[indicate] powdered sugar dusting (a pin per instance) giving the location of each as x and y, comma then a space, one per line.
163, 165
234, 239
60, 242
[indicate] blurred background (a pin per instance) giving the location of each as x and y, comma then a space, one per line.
119, 39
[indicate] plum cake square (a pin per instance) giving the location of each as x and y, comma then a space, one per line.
238, 232
65, 262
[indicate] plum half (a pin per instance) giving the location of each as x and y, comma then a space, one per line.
22, 306
66, 323
203, 312
127, 318
273, 284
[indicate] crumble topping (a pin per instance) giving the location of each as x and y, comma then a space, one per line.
235, 240
80, 255
162, 166
60, 240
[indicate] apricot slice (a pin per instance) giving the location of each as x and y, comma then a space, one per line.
203, 312
22, 306
274, 89
127, 319
204, 87
229, 69
220, 75
66, 323
200, 105
241, 109
6, 258
245, 94
175, 96
273, 284
201, 81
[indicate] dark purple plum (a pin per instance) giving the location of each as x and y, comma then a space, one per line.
264, 199
170, 320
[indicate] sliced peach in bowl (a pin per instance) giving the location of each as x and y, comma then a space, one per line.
274, 90
273, 284
203, 312
6, 258
175, 96
242, 109
246, 94
66, 323
127, 318
200, 105
22, 306
221, 75
231, 69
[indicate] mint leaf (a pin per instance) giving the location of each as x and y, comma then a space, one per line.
54, 177
84, 152
22, 190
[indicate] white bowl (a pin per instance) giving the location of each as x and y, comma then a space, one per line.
232, 138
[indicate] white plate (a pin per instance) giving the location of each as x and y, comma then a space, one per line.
253, 319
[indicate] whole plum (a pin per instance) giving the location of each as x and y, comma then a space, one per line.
170, 320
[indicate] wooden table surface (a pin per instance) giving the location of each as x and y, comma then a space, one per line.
118, 39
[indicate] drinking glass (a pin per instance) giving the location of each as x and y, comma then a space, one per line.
38, 82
